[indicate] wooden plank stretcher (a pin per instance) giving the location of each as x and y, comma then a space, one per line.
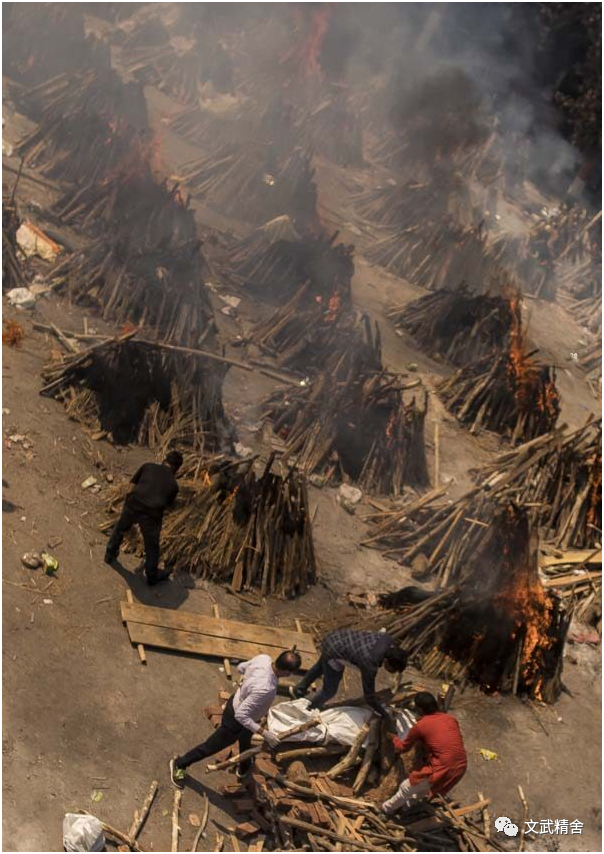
211, 636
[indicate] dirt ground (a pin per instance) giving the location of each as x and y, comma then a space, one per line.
81, 714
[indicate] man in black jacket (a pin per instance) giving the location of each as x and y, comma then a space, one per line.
368, 651
155, 488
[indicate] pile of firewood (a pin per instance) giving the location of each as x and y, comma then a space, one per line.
241, 182
89, 125
12, 270
41, 42
303, 333
457, 326
274, 260
556, 477
233, 525
498, 626
352, 420
402, 207
216, 128
508, 392
139, 391
159, 289
334, 130
294, 807
439, 254
131, 205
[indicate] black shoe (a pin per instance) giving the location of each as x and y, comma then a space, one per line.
177, 775
159, 576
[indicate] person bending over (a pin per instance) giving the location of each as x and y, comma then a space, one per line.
243, 710
368, 651
155, 488
445, 760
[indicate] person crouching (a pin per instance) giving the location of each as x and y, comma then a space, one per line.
446, 759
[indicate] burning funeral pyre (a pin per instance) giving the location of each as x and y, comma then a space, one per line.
352, 420
132, 206
334, 130
12, 271
48, 43
498, 627
508, 392
139, 391
275, 260
459, 327
245, 184
234, 525
439, 254
89, 126
158, 289
556, 477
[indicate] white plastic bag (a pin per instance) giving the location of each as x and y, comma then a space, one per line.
21, 298
82, 833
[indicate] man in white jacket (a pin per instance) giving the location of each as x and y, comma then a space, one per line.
244, 709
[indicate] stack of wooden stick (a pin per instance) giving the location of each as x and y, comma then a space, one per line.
353, 421
457, 326
139, 391
249, 530
12, 269
556, 477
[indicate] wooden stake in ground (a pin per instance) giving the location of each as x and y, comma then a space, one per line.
175, 817
436, 454
525, 812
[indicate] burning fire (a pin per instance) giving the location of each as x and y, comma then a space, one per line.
315, 21
524, 600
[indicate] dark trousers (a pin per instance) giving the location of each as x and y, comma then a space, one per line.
331, 682
229, 731
150, 527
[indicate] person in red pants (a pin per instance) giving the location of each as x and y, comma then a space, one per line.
446, 758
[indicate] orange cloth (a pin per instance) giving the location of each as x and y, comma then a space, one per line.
447, 759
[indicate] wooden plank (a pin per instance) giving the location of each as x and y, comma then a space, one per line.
570, 557
213, 647
212, 627
139, 647
227, 664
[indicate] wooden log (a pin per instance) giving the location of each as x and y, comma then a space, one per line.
352, 756
525, 812
203, 823
140, 817
175, 819
330, 834
117, 834
253, 751
373, 740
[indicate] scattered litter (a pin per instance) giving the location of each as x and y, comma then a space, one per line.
33, 241
19, 439
5, 411
82, 833
194, 820
412, 366
90, 481
96, 796
13, 334
242, 450
232, 302
489, 755
317, 480
349, 497
164, 813
51, 564
53, 542
47, 601
228, 311
32, 560
21, 298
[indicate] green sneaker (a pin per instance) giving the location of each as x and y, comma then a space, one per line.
177, 775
